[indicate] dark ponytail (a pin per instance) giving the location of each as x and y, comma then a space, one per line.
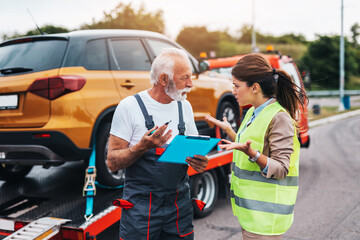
255, 68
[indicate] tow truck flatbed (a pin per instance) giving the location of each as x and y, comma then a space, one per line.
57, 193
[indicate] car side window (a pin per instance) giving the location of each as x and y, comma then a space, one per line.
129, 55
157, 45
96, 57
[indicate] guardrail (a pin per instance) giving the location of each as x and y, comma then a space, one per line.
332, 93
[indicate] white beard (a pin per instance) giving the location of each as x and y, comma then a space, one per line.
175, 93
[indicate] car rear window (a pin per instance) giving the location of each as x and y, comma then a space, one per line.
37, 55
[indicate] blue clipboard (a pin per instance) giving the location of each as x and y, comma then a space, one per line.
182, 147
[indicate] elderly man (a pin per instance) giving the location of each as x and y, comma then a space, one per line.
156, 200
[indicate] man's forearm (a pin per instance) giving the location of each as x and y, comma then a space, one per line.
123, 158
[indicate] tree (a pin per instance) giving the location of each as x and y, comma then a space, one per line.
47, 29
290, 38
246, 34
355, 30
198, 39
322, 58
125, 17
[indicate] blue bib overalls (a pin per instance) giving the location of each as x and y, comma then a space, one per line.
160, 194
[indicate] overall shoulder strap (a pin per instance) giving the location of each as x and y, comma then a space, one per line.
149, 123
181, 125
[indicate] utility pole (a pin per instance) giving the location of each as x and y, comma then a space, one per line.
342, 71
253, 33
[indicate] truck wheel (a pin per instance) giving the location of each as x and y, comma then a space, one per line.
104, 175
10, 172
229, 111
204, 187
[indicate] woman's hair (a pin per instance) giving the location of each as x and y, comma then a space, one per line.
164, 63
255, 68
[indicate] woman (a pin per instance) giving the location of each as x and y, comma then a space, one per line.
265, 170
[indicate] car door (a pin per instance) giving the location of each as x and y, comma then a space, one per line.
130, 65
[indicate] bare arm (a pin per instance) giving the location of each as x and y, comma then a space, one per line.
121, 156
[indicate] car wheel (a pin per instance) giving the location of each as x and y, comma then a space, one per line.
229, 111
104, 175
204, 187
11, 172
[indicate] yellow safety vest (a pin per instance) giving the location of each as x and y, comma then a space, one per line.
263, 205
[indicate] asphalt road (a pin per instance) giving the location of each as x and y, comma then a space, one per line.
328, 204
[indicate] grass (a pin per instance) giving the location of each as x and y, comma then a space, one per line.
296, 51
353, 84
327, 111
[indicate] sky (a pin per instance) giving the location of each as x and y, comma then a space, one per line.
276, 17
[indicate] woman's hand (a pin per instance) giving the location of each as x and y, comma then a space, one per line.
224, 125
244, 147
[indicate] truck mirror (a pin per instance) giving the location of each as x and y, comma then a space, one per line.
203, 66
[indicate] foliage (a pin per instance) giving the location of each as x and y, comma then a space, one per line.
355, 30
246, 36
125, 17
322, 58
47, 29
199, 39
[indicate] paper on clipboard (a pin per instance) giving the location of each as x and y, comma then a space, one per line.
182, 147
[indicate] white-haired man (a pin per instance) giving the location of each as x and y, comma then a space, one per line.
156, 199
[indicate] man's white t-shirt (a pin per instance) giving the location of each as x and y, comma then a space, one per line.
129, 122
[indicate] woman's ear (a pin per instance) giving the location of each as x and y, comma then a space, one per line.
256, 88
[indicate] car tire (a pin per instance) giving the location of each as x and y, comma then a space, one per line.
104, 175
228, 110
11, 172
204, 187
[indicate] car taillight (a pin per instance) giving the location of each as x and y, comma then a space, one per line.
54, 87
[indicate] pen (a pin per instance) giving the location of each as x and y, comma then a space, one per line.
155, 129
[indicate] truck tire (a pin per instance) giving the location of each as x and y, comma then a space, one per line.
10, 172
228, 110
104, 175
204, 187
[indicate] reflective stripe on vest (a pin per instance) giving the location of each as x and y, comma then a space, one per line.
257, 176
263, 206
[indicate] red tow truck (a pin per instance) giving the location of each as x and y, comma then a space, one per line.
277, 61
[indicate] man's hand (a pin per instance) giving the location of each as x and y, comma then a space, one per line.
198, 162
155, 137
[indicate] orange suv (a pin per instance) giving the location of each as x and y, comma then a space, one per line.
224, 65
58, 93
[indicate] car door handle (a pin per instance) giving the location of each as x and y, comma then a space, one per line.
128, 84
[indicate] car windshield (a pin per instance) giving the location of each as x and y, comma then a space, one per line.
34, 55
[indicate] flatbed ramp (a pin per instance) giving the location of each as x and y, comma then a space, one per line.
56, 192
